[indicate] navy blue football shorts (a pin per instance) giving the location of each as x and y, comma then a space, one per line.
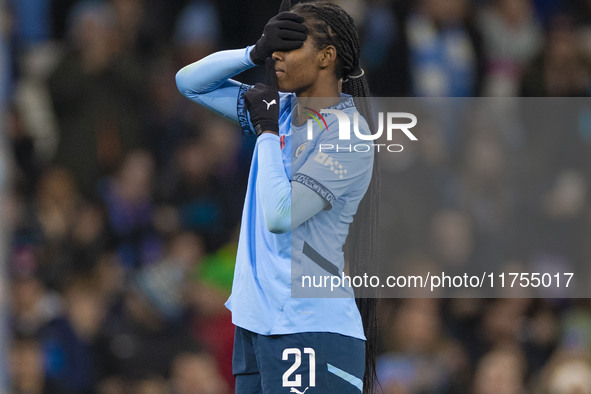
311, 363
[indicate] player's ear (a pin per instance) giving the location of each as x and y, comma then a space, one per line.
328, 56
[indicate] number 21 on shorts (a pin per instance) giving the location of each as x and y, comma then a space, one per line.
295, 380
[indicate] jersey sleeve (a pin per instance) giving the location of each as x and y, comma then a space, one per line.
336, 167
285, 205
207, 82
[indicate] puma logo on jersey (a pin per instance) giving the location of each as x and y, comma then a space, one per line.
294, 390
270, 104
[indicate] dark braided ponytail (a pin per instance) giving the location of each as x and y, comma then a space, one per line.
329, 24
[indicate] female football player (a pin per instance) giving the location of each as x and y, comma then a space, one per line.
303, 191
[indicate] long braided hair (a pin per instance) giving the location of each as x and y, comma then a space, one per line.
329, 24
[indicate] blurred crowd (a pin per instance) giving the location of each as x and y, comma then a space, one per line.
127, 197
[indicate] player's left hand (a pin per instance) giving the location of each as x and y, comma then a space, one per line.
262, 102
284, 32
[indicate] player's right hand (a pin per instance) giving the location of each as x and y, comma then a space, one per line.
284, 32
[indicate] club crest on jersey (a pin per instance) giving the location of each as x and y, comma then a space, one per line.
300, 149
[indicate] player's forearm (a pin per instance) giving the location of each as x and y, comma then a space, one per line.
285, 205
212, 71
274, 188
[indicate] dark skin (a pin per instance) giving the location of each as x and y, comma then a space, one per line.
309, 72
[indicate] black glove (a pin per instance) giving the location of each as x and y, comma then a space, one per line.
262, 102
284, 32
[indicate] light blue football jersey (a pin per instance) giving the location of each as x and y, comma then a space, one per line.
268, 265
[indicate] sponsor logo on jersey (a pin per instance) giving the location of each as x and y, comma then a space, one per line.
332, 164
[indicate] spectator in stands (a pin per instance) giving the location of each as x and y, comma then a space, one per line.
560, 69
511, 37
97, 93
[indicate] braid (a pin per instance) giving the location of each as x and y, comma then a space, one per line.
329, 24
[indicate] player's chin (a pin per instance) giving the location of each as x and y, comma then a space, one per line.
282, 87
285, 84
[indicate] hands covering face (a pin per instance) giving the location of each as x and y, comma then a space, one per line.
284, 32
262, 102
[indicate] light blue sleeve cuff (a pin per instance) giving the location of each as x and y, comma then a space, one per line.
248, 51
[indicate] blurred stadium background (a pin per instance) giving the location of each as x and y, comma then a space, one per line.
120, 199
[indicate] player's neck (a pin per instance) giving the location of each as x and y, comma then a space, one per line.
324, 93
324, 85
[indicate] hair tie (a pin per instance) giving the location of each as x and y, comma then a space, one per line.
361, 73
